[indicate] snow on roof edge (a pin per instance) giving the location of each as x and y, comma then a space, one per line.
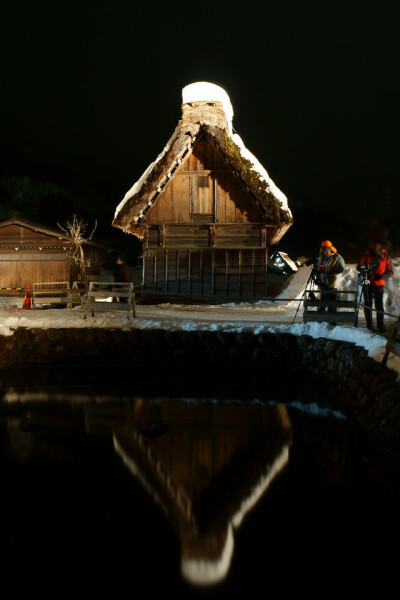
258, 168
204, 91
142, 180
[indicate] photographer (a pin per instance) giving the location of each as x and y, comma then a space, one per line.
376, 267
328, 265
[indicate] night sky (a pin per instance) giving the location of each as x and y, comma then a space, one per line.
91, 92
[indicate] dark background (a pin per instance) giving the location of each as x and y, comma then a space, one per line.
91, 92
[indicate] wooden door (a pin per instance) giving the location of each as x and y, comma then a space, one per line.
202, 198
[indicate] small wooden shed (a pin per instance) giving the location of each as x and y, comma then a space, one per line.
32, 253
206, 209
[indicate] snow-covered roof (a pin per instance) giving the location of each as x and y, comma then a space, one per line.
202, 91
207, 110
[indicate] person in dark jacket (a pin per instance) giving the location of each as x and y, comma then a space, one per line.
122, 270
121, 274
379, 269
329, 265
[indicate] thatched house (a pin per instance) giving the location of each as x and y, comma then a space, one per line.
33, 253
206, 210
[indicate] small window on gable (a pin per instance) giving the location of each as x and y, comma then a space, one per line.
203, 181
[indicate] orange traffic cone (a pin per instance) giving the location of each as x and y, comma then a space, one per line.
27, 302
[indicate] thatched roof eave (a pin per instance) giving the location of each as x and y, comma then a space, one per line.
131, 213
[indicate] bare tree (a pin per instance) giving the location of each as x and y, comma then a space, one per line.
76, 230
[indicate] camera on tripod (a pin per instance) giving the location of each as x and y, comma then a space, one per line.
311, 261
315, 273
364, 273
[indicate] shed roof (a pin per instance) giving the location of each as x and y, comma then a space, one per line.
34, 227
39, 228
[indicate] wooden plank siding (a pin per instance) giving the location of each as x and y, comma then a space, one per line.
204, 185
17, 270
28, 256
227, 235
205, 237
211, 273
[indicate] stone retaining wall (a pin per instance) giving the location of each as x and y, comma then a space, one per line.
268, 366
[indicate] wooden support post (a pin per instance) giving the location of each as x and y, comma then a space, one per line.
178, 279
226, 274
191, 196
213, 272
253, 279
189, 282
263, 236
166, 269
211, 236
201, 272
216, 200
240, 272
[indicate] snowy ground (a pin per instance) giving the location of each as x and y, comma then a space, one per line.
258, 317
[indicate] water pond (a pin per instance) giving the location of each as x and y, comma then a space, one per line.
107, 490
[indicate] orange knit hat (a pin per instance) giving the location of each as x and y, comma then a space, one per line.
328, 244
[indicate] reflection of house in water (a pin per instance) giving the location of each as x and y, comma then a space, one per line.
207, 469
206, 464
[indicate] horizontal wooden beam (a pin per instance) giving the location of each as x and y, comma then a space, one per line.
204, 172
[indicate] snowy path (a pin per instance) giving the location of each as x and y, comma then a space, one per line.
257, 317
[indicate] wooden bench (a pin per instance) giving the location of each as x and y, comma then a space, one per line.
392, 345
339, 311
100, 293
56, 293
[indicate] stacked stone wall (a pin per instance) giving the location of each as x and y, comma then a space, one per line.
269, 366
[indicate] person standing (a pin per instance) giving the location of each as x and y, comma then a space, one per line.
121, 270
329, 265
379, 269
121, 275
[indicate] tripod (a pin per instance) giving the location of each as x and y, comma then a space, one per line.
312, 279
364, 281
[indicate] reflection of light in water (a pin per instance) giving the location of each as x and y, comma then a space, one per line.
259, 490
205, 571
206, 551
134, 468
13, 396
208, 572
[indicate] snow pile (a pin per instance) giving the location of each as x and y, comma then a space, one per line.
297, 285
348, 280
202, 91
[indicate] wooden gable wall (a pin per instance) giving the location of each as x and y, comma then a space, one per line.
204, 190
